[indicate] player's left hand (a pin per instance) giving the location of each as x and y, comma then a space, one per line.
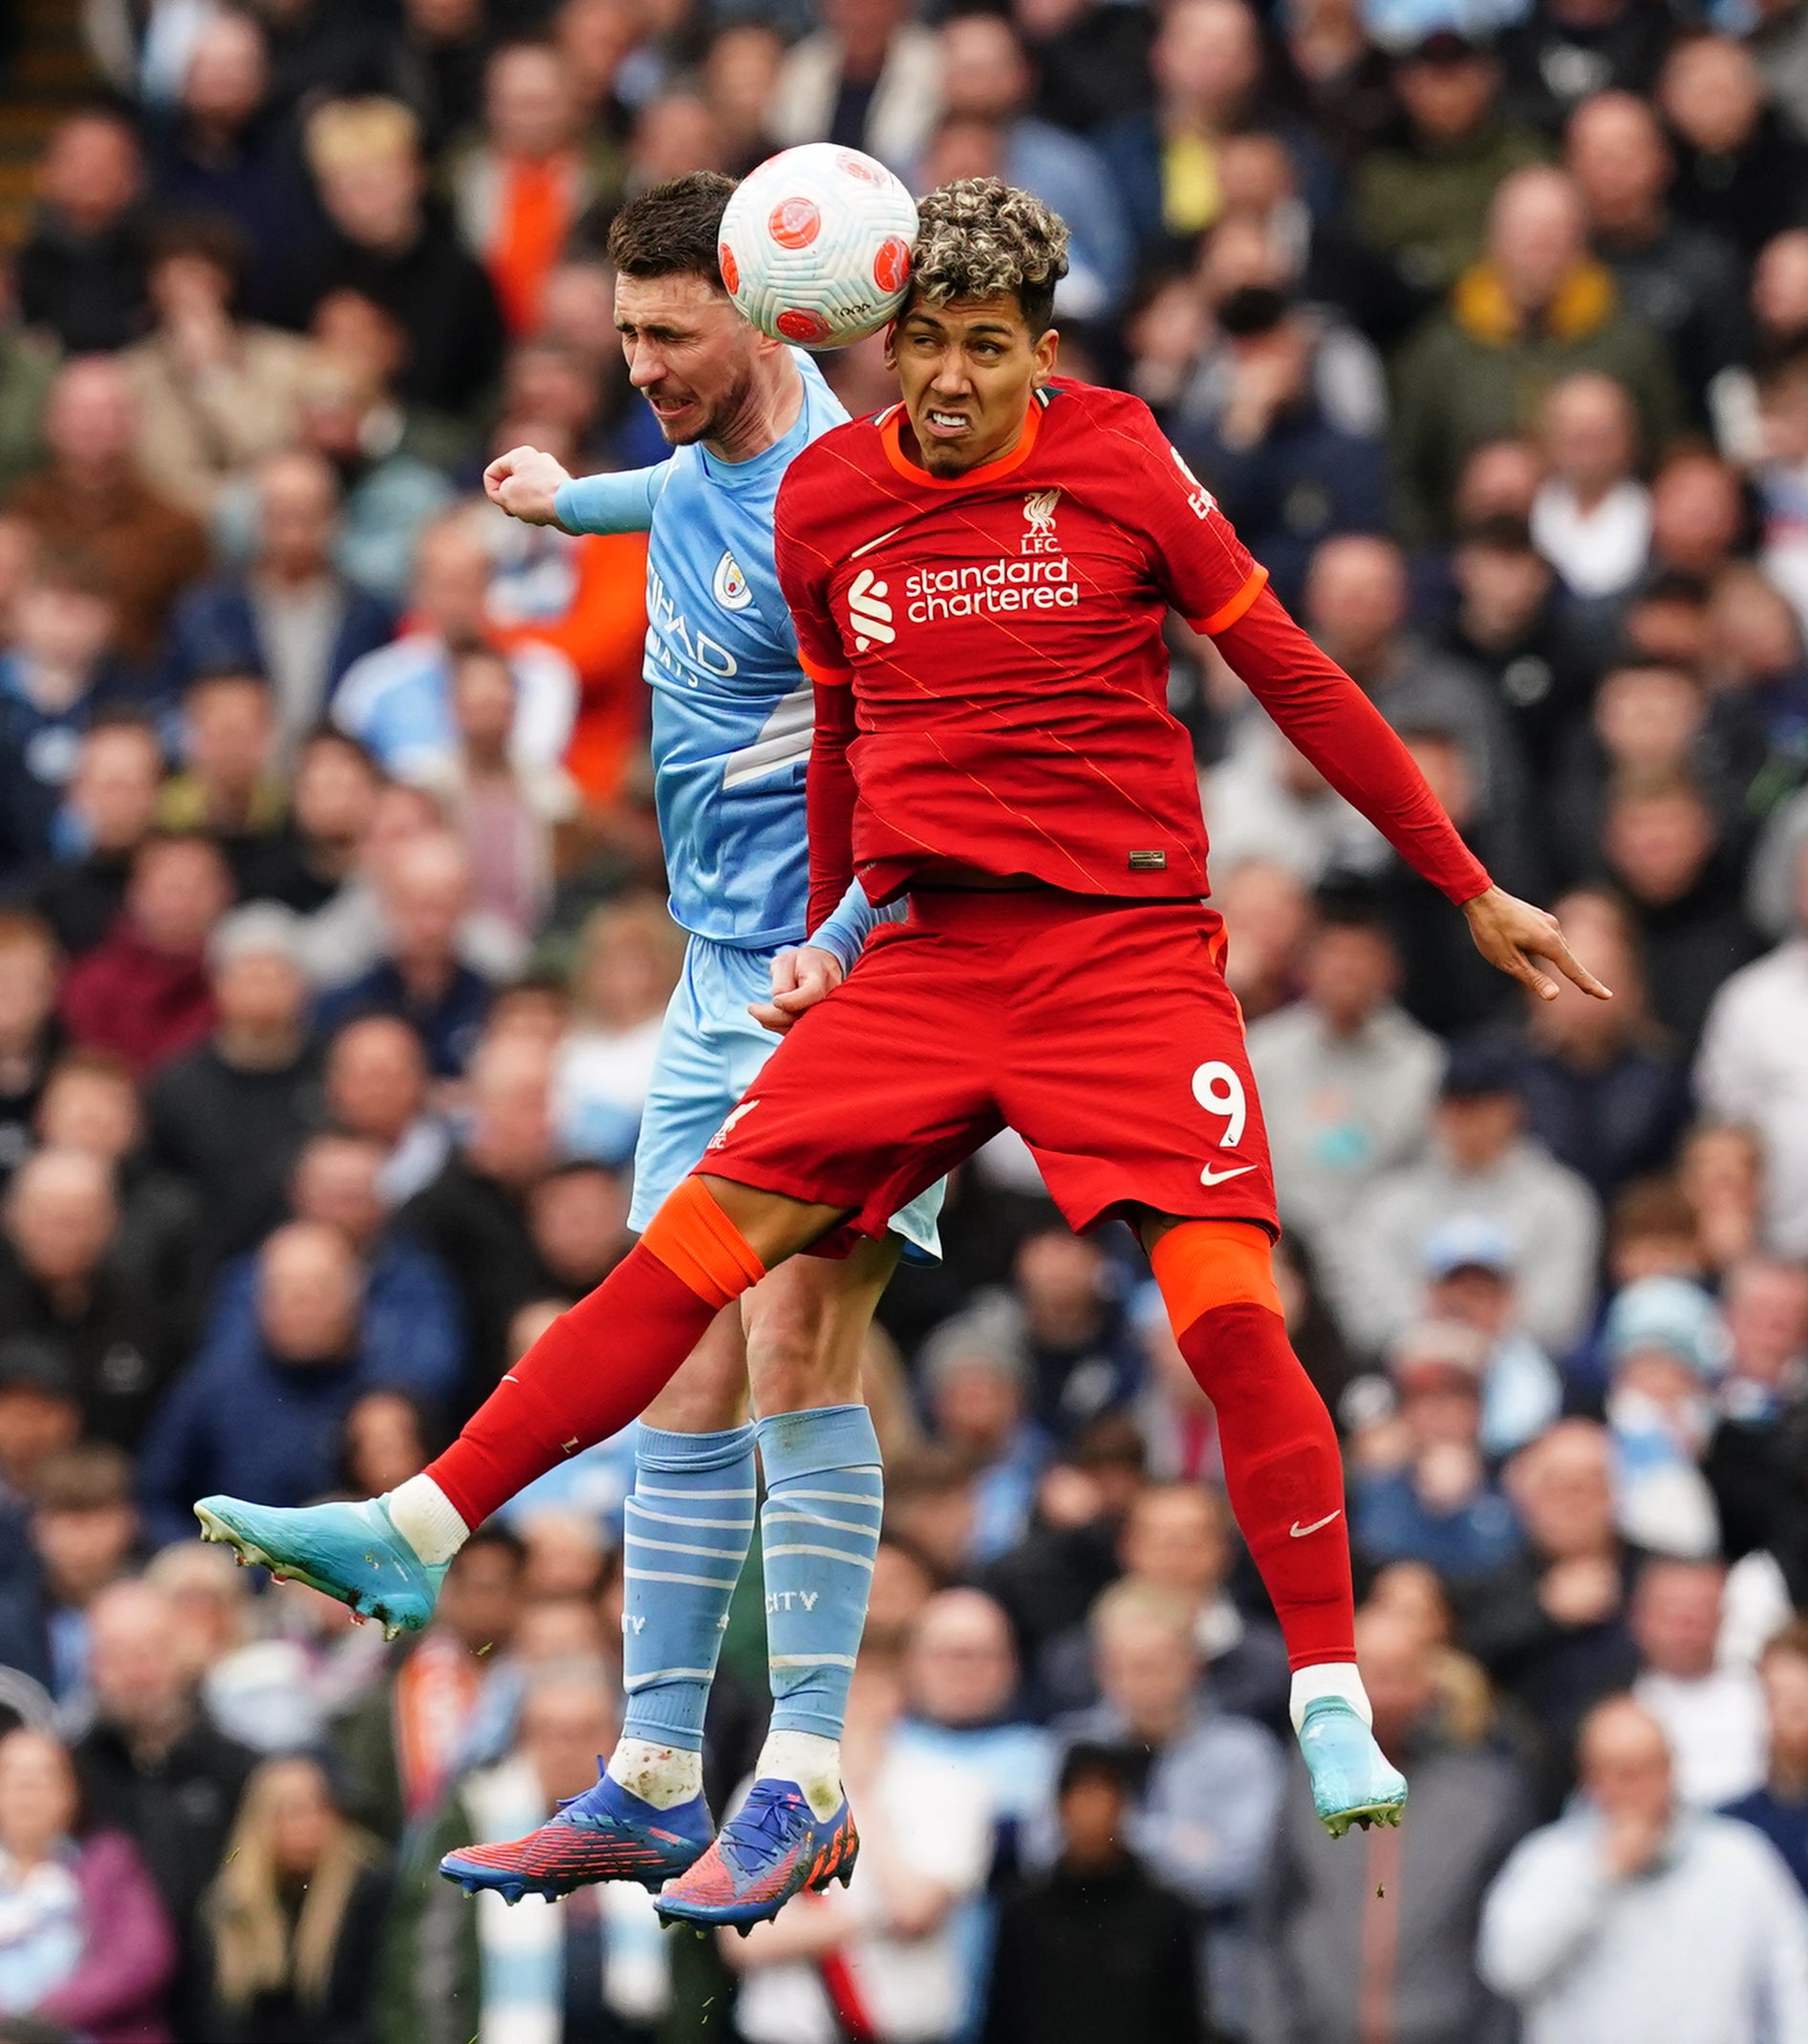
1510, 934
799, 980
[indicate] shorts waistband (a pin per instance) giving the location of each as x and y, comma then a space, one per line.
946, 907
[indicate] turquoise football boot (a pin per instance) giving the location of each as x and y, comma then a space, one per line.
350, 1551
1352, 1782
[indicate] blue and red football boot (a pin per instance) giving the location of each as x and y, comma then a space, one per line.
772, 1848
605, 1834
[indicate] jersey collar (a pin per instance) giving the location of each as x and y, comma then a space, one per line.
891, 432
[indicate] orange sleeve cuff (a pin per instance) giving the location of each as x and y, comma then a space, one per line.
1227, 614
1206, 1263
823, 675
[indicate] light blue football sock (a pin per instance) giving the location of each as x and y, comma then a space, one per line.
689, 1526
819, 1530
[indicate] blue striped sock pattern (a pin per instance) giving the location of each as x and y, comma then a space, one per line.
689, 1526
819, 1530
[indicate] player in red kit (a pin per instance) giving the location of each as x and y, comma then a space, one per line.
979, 578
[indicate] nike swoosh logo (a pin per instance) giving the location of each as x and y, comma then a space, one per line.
1209, 1176
1299, 1532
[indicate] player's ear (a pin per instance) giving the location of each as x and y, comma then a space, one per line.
891, 345
1043, 349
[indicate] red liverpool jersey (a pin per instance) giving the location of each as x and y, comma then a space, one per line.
1001, 632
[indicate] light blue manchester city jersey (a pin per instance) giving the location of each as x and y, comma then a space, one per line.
732, 714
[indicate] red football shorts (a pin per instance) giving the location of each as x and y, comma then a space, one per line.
1102, 1031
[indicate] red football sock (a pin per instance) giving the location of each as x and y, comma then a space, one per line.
600, 1365
1282, 1464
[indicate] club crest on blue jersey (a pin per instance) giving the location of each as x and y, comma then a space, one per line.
730, 585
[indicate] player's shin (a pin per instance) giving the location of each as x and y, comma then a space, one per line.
599, 1364
1282, 1464
689, 1526
819, 1531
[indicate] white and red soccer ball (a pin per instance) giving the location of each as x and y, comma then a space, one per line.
816, 244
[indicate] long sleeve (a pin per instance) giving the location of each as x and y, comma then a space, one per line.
1543, 1909
129, 1953
829, 799
621, 503
1336, 726
844, 935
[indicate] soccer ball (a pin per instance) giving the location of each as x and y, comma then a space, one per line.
816, 246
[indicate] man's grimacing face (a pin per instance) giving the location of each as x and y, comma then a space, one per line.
967, 370
690, 354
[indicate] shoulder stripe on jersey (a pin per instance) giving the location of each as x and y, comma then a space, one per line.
1227, 614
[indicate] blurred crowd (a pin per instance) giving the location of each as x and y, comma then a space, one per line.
332, 956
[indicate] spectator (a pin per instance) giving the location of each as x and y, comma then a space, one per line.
409, 1331
1205, 64
505, 813
226, 154
1667, 1349
89, 497
1421, 196
1484, 1163
1175, 1541
1535, 307
1347, 1080
426, 895
1603, 1091
473, 1215
1551, 1626
1591, 518
629, 956
1779, 1807
64, 1281
1683, 283
975, 1374
578, 1218
1738, 167
84, 1531
295, 1919
57, 677
1712, 1714
443, 1959
227, 786
1356, 607
519, 192
1331, 1966
1436, 1503
81, 272
986, 77
212, 393
309, 867
88, 1943
1676, 866
151, 1764
1631, 1912
27, 366
1095, 1948
869, 78
290, 615
1750, 1070
894, 1926
27, 1030
228, 1118
1205, 1818
389, 242
376, 1088
39, 1416
259, 1410
399, 701
110, 805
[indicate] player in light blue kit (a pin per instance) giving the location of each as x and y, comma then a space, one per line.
731, 735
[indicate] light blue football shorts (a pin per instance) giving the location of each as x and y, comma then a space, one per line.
710, 1052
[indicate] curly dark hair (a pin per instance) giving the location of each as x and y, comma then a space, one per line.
980, 237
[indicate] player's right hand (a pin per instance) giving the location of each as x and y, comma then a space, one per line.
524, 481
799, 980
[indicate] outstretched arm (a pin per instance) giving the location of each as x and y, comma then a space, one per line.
1336, 726
529, 484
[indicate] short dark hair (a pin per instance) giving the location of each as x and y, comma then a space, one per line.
673, 229
1092, 1760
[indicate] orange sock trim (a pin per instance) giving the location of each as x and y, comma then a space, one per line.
1202, 1264
700, 1246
